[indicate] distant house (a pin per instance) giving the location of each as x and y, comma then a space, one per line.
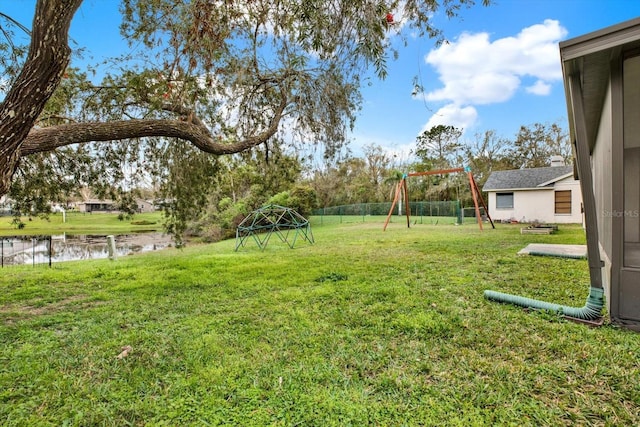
145, 206
546, 195
94, 205
6, 206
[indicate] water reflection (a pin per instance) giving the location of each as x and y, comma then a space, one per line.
66, 247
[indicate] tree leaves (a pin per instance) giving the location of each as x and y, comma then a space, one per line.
225, 75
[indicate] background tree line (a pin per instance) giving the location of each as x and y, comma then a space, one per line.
208, 117
371, 177
223, 190
196, 81
248, 181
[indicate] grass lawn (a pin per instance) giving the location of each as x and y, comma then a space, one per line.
82, 223
363, 328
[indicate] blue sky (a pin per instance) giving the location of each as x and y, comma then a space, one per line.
500, 69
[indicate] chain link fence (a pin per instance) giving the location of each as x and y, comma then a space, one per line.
25, 250
445, 212
44, 250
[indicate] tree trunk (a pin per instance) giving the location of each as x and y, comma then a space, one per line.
48, 57
46, 62
49, 138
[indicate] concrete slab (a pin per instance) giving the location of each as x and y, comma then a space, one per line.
566, 251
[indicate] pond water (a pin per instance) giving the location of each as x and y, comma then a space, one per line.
66, 247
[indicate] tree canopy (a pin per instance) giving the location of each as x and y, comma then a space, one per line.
215, 77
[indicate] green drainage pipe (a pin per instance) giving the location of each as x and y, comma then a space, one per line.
595, 301
591, 311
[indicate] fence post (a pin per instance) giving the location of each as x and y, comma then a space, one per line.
50, 250
111, 247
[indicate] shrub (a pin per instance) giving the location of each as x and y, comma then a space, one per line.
301, 198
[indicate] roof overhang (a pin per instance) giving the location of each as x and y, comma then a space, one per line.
554, 180
589, 56
511, 190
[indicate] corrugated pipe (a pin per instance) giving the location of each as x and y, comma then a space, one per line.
595, 301
591, 311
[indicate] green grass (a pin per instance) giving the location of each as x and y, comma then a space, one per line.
363, 328
82, 223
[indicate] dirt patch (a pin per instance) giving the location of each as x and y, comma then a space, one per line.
21, 311
52, 307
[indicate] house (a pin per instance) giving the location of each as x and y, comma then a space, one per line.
145, 206
601, 71
6, 206
93, 205
546, 195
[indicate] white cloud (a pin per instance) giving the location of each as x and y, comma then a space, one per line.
453, 115
539, 88
475, 70
398, 150
483, 88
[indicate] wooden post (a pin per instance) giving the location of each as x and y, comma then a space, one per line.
393, 204
475, 198
406, 201
111, 247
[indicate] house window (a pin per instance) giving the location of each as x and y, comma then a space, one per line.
504, 200
563, 202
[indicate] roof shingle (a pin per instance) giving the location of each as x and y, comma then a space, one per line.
525, 178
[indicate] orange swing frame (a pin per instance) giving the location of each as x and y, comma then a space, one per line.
401, 188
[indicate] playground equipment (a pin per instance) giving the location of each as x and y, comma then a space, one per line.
401, 188
262, 223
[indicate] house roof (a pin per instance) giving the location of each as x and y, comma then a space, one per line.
527, 179
97, 202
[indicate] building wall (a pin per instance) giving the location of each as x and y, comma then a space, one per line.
631, 153
144, 206
539, 205
498, 214
627, 225
528, 206
96, 206
576, 216
601, 166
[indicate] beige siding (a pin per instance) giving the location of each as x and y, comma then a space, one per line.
602, 179
539, 205
601, 164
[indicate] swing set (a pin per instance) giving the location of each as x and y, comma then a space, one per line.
401, 188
